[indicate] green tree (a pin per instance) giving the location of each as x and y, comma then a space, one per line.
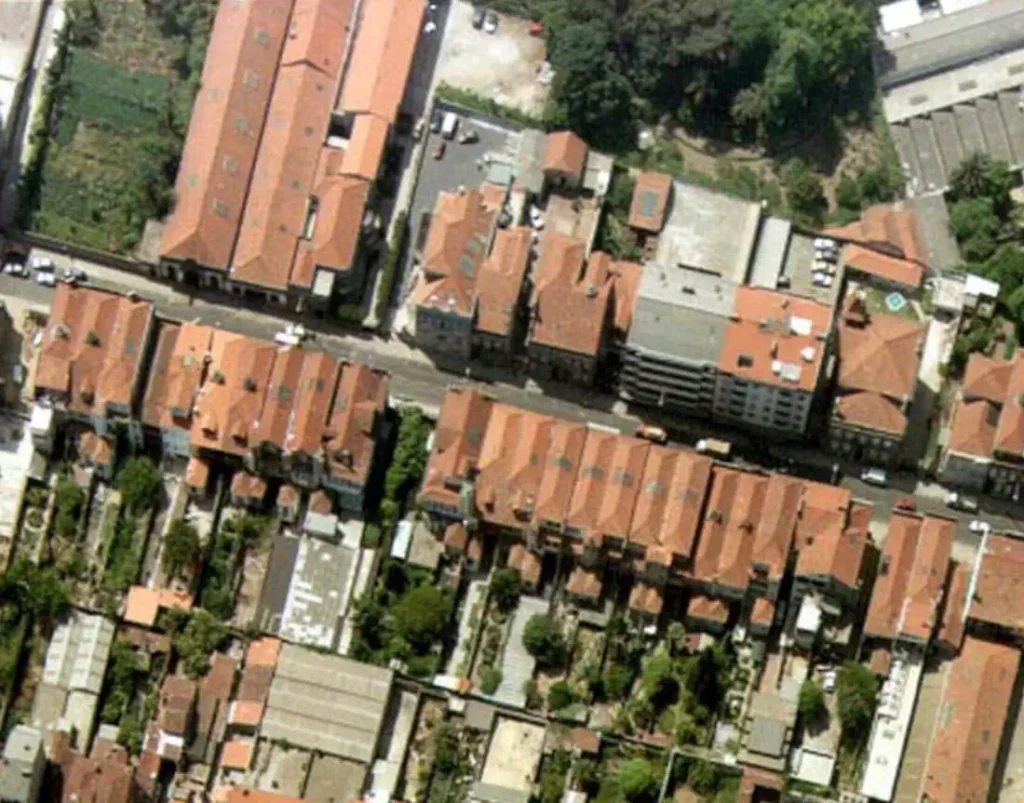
446, 749
560, 695
617, 680
659, 680
590, 94
421, 615
848, 195
490, 679
32, 590
856, 690
976, 226
812, 702
505, 589
181, 548
140, 484
203, 634
543, 639
981, 176
637, 779
703, 777
804, 191
70, 499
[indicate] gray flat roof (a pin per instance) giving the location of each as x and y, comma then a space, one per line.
767, 736
950, 41
681, 313
327, 703
770, 256
933, 220
709, 231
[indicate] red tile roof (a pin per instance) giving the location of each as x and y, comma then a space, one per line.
297, 122
92, 350
232, 395
584, 583
109, 778
224, 130
879, 353
646, 599
248, 486
236, 754
707, 609
571, 306
565, 153
561, 468
1010, 429
776, 339
891, 269
359, 406
607, 485
197, 474
831, 534
975, 702
951, 629
651, 195
668, 507
458, 444
986, 378
314, 394
175, 375
999, 591
626, 277
501, 279
763, 612
382, 56
911, 577
973, 428
366, 147
886, 228
526, 563
872, 411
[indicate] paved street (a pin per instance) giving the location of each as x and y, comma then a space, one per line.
416, 380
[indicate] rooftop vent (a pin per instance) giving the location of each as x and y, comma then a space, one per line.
62, 332
249, 384
218, 377
92, 339
745, 361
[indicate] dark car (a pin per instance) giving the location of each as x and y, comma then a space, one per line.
478, 18
436, 121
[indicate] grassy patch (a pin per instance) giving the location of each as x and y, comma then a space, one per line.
875, 300
484, 105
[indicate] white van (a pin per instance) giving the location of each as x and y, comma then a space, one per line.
450, 125
875, 476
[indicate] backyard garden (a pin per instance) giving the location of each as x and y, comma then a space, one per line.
117, 100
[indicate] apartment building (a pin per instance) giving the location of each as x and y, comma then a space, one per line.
878, 355
985, 447
92, 359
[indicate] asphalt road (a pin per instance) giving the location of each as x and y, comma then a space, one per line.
416, 380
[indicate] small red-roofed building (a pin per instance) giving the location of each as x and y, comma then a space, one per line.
707, 614
565, 157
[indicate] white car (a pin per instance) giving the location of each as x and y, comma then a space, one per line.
42, 263
16, 269
958, 501
828, 681
46, 278
536, 217
979, 527
824, 243
490, 22
875, 476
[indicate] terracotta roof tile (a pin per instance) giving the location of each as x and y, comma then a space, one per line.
382, 56
248, 486
197, 474
646, 599
707, 609
975, 702
176, 375
236, 754
571, 305
456, 537
461, 230
911, 577
142, 605
560, 471
359, 406
668, 507
1010, 430
607, 485
763, 612
337, 230
526, 563
232, 395
224, 130
651, 195
625, 278
565, 153
776, 339
880, 355
986, 378
366, 147
831, 534
92, 350
263, 651
297, 122
872, 411
320, 502
951, 629
999, 591
96, 449
271, 424
584, 583
973, 428
886, 228
307, 426
892, 269
458, 442
501, 279
106, 779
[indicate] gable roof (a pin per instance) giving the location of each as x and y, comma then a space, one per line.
224, 130
871, 410
611, 468
458, 443
651, 194
501, 280
969, 730
382, 55
176, 374
999, 586
92, 349
626, 278
365, 147
360, 402
570, 305
892, 269
565, 152
1010, 429
879, 353
297, 121
831, 534
986, 378
886, 228
973, 428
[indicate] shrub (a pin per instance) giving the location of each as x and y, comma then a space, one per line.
560, 695
505, 589
140, 484
490, 679
543, 639
637, 779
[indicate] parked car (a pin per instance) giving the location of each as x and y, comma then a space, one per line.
46, 278
652, 433
958, 501
906, 503
491, 22
478, 18
75, 275
14, 268
449, 125
828, 681
468, 135
436, 121
875, 476
439, 150
715, 447
536, 28
42, 263
418, 129
979, 527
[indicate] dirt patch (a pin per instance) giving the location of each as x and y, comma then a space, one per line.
502, 66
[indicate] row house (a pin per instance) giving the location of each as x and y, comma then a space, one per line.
93, 357
611, 502
879, 355
985, 447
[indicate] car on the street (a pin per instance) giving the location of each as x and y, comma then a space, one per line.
42, 263
436, 121
979, 527
875, 476
418, 129
652, 433
449, 125
906, 503
469, 135
491, 22
291, 335
75, 275
828, 681
14, 268
439, 150
958, 501
478, 18
46, 278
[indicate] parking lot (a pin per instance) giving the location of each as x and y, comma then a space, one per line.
503, 65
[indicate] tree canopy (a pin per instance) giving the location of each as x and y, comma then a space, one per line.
140, 484
181, 548
421, 614
856, 689
637, 779
543, 639
812, 702
505, 589
203, 633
